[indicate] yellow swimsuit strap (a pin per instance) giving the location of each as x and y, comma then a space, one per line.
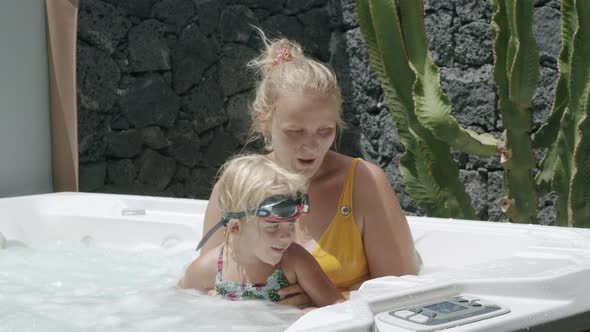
345, 202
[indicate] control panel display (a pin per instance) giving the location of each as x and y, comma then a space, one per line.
445, 307
440, 314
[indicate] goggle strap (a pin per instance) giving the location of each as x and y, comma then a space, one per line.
221, 223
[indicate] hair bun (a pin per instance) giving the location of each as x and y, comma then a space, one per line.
275, 52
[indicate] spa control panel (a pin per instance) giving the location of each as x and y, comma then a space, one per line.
440, 314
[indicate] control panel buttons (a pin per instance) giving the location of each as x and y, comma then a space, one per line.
429, 314
404, 313
416, 310
419, 318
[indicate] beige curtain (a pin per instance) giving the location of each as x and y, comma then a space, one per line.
62, 26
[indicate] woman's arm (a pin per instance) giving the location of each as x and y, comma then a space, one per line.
212, 217
388, 243
312, 278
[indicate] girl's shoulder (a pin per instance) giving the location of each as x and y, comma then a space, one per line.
201, 272
206, 264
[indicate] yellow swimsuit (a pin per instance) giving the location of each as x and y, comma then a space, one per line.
340, 250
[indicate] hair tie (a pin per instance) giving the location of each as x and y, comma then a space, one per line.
284, 55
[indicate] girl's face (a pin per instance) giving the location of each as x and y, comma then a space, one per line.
302, 129
267, 240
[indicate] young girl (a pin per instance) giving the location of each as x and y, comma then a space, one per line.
260, 203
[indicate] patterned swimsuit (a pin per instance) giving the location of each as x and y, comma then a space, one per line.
233, 290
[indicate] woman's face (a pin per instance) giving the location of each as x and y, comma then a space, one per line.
302, 129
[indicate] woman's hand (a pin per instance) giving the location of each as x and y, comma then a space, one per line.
294, 295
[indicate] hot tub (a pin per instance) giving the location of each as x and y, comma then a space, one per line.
78, 262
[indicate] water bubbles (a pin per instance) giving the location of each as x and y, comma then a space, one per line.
57, 284
105, 289
87, 241
111, 321
170, 242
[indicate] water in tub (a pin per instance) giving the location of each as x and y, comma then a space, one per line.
86, 287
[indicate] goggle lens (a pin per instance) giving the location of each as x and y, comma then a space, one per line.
285, 209
282, 208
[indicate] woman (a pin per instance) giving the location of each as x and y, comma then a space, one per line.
355, 228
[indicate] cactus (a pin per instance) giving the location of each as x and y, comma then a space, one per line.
430, 174
516, 69
572, 173
397, 47
547, 134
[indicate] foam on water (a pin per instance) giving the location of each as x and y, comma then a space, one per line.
85, 287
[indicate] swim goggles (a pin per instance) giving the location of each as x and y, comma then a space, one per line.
277, 208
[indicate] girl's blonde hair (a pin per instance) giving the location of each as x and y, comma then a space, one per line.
247, 180
279, 76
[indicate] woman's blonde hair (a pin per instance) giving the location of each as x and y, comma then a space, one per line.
246, 180
293, 73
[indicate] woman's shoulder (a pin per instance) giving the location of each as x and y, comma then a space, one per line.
369, 174
336, 163
365, 171
369, 181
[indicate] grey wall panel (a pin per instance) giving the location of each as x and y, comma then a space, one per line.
25, 139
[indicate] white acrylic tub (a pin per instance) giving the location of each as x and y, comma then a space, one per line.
540, 273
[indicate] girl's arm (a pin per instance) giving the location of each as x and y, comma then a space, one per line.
388, 243
312, 278
212, 217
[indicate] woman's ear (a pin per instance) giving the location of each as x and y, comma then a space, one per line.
234, 226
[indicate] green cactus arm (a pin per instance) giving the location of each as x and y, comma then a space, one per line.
580, 184
501, 36
433, 110
512, 41
400, 116
431, 177
563, 166
390, 47
520, 183
579, 196
544, 178
572, 122
547, 134
420, 184
432, 107
421, 171
580, 64
524, 72
412, 27
518, 158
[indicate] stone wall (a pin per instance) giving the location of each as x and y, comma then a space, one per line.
163, 91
